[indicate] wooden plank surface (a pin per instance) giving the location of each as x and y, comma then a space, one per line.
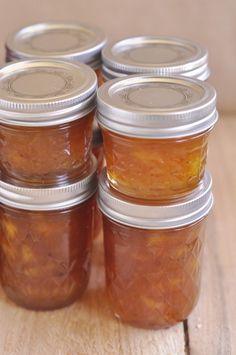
88, 328
212, 326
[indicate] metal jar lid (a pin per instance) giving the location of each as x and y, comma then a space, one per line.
46, 92
163, 56
68, 41
53, 198
156, 107
128, 211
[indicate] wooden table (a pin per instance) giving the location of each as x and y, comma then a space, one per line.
88, 328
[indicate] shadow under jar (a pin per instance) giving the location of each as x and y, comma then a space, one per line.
155, 133
153, 255
46, 116
156, 55
46, 242
68, 41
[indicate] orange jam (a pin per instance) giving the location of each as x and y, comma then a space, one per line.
155, 133
46, 116
153, 254
46, 255
153, 277
155, 169
46, 155
46, 244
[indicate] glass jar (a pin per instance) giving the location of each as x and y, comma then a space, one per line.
46, 237
155, 133
46, 116
153, 255
157, 55
67, 41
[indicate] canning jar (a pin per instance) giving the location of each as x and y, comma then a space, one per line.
157, 55
155, 133
46, 242
46, 116
57, 40
153, 255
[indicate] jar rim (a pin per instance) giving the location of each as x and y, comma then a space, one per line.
157, 55
77, 42
148, 106
45, 92
143, 215
50, 198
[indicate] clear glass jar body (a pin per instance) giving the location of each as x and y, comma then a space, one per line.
46, 255
45, 155
155, 169
152, 276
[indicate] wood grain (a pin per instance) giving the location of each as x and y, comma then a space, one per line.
88, 327
212, 326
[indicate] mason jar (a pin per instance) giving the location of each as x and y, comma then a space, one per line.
46, 117
156, 55
58, 40
153, 255
155, 132
46, 236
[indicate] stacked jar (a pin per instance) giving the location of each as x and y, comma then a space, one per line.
75, 42
48, 180
80, 43
155, 194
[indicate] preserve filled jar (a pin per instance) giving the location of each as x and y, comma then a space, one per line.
46, 236
153, 255
57, 40
46, 117
157, 55
155, 133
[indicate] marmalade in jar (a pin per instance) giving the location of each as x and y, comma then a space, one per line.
155, 132
155, 169
46, 155
46, 255
152, 277
153, 254
46, 116
46, 237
